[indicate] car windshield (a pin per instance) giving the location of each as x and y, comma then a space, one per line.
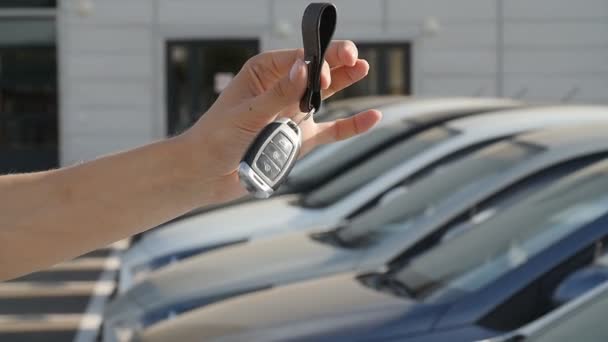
365, 172
434, 187
309, 174
481, 255
587, 323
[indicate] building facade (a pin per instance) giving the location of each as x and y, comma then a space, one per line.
132, 71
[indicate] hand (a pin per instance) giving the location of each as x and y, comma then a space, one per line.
268, 86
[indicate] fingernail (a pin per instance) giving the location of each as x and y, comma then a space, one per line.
295, 69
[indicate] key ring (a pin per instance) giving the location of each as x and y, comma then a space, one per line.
308, 115
318, 26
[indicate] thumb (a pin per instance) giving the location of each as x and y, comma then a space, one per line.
286, 92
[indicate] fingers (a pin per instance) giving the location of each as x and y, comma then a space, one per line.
346, 128
287, 92
341, 53
343, 77
278, 62
325, 76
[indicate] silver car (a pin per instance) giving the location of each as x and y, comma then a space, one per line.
296, 257
399, 124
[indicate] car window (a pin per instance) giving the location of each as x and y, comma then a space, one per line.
587, 324
365, 172
311, 175
427, 191
504, 198
510, 238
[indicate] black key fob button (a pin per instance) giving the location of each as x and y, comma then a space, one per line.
283, 143
276, 155
267, 167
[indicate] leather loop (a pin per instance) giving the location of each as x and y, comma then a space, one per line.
318, 26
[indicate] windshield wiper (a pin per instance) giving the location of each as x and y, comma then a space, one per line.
516, 338
397, 287
386, 282
331, 238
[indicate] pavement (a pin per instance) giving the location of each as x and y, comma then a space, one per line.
62, 304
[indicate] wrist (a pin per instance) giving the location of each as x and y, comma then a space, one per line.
190, 174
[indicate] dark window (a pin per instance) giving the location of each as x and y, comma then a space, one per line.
196, 71
28, 95
27, 3
389, 74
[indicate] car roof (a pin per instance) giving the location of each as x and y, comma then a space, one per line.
408, 114
363, 101
343, 108
527, 116
428, 110
565, 137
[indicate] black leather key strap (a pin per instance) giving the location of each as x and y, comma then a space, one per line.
318, 26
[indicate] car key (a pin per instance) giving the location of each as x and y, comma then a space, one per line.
273, 153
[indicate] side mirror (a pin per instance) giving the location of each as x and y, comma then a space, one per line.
579, 283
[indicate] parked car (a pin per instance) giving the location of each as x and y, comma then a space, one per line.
332, 111
346, 107
486, 178
360, 154
582, 319
344, 195
321, 164
400, 121
489, 279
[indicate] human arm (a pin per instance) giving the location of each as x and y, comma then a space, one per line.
51, 216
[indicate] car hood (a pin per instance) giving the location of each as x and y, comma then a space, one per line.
239, 222
257, 264
338, 299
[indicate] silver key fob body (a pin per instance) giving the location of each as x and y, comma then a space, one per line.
270, 157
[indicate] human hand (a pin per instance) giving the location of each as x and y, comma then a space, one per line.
269, 86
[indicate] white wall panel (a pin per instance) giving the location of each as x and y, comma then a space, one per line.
105, 40
349, 11
463, 36
444, 10
576, 90
562, 61
106, 67
458, 86
555, 9
110, 12
576, 34
459, 61
250, 13
110, 93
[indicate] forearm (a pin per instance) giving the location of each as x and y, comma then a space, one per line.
52, 216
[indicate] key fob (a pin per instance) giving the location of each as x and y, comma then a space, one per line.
273, 153
270, 157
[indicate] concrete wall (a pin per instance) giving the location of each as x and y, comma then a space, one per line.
112, 67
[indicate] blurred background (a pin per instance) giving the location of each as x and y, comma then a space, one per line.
81, 78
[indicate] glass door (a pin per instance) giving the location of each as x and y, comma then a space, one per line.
197, 71
389, 74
